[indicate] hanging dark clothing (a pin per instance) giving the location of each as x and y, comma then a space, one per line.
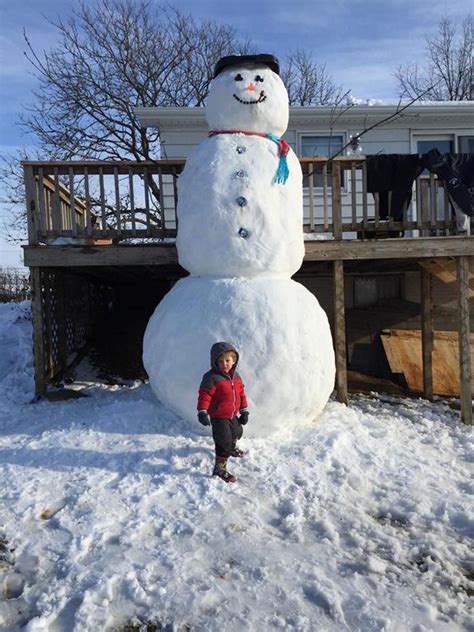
392, 177
457, 171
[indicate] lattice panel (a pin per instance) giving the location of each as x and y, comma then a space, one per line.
49, 297
70, 305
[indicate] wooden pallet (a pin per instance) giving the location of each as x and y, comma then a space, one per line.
404, 355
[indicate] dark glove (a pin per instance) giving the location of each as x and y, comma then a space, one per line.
244, 417
204, 418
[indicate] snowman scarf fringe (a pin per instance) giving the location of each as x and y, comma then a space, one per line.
283, 172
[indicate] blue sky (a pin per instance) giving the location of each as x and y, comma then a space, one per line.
362, 43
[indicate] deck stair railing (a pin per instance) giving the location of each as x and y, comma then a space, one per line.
93, 202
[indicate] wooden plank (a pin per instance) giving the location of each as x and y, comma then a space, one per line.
31, 204
38, 327
64, 256
447, 209
72, 206
175, 190
404, 354
353, 195
147, 200
88, 202
405, 213
336, 201
162, 203
323, 250
424, 205
118, 210
340, 331
340, 159
445, 269
56, 210
376, 210
107, 166
399, 248
43, 223
132, 201
433, 200
427, 333
325, 196
311, 199
364, 197
464, 340
102, 199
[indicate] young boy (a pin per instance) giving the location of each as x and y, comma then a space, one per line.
221, 397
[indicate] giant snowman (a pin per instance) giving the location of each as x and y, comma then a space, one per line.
240, 236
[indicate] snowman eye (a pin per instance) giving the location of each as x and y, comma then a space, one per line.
238, 77
258, 78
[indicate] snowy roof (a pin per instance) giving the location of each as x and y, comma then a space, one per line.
179, 117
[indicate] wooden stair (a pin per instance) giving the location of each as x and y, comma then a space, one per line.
444, 268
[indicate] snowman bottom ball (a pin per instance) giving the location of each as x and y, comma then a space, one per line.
279, 329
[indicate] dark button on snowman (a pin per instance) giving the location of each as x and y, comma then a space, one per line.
240, 237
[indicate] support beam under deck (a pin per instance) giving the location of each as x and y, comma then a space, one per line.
464, 339
427, 333
340, 332
330, 250
38, 331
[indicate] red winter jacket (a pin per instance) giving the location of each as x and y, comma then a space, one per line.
222, 395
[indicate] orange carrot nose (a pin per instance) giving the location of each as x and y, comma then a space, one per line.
251, 87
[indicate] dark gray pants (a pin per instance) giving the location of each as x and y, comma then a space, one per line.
225, 433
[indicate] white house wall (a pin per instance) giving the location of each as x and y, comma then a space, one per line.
183, 128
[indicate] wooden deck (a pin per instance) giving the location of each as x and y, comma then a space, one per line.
324, 250
138, 200
119, 218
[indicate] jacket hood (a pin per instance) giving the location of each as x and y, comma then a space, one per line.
218, 348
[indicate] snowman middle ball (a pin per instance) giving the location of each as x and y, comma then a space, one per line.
278, 327
233, 218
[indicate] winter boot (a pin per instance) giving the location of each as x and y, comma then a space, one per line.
220, 470
237, 452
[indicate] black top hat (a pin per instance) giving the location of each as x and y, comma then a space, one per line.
240, 60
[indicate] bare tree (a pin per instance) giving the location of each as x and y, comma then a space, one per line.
448, 73
14, 285
111, 57
308, 82
114, 55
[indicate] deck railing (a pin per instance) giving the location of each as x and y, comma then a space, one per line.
103, 202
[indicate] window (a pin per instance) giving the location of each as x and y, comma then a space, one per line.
324, 146
443, 143
466, 144
321, 145
370, 290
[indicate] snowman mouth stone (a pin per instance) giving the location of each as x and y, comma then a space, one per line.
260, 99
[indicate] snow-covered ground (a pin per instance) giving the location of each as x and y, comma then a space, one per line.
108, 515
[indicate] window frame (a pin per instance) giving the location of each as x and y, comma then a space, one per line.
343, 134
441, 134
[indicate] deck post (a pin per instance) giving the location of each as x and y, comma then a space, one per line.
427, 333
336, 200
340, 331
38, 331
464, 339
31, 205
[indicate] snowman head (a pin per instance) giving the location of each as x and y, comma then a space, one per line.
247, 95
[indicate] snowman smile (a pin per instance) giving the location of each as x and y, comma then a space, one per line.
260, 99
